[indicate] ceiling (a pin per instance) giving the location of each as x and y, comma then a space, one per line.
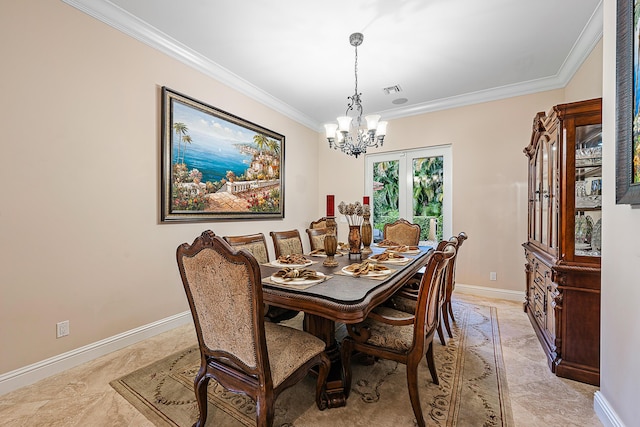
295, 56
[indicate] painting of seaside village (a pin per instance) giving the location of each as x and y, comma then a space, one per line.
219, 165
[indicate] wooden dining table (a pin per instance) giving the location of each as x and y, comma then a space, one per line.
340, 298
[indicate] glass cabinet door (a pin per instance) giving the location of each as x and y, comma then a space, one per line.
588, 189
544, 193
537, 185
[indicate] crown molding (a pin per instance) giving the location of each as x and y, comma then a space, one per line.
121, 20
112, 15
587, 41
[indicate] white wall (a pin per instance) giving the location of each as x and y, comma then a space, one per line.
80, 237
618, 399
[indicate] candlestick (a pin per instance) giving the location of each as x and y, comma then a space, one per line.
330, 243
330, 205
366, 230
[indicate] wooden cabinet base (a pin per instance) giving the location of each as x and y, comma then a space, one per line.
563, 305
584, 374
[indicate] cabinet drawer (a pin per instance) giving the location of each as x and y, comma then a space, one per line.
539, 303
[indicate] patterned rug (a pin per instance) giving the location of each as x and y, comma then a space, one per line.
472, 391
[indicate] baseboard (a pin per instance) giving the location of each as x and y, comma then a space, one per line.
30, 374
483, 291
605, 412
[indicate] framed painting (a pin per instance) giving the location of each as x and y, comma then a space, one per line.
217, 166
628, 103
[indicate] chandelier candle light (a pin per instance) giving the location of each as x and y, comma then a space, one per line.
350, 135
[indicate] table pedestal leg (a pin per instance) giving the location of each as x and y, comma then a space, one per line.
325, 329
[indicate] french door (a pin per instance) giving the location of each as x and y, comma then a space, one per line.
415, 185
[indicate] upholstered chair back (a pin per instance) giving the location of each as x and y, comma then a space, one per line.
320, 223
402, 232
254, 243
316, 237
224, 290
286, 242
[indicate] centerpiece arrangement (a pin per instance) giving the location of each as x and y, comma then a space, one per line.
354, 213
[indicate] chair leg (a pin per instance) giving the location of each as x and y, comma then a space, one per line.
445, 320
441, 334
414, 395
451, 310
345, 354
432, 364
200, 384
265, 411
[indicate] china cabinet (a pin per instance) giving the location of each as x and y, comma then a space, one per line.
562, 250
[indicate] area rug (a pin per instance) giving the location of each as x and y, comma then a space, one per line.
472, 391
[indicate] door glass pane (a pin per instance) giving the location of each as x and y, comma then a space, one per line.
428, 196
386, 188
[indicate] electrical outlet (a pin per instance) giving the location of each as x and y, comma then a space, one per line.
62, 329
493, 276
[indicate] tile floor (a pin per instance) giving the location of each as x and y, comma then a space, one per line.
82, 396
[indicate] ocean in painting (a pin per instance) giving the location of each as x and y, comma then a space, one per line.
215, 146
214, 161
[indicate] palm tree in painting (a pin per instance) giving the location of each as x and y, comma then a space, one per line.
261, 141
186, 139
181, 130
273, 146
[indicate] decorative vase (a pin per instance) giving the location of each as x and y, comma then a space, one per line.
355, 240
366, 234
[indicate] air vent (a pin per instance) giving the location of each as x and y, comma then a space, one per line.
392, 89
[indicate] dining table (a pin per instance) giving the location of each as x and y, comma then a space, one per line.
340, 297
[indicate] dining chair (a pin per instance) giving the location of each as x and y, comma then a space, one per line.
316, 237
450, 285
286, 242
391, 334
405, 299
238, 348
402, 232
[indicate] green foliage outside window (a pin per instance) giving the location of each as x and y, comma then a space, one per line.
428, 193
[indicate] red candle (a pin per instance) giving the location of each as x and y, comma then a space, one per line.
365, 200
330, 205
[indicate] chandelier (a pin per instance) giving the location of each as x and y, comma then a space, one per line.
351, 135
